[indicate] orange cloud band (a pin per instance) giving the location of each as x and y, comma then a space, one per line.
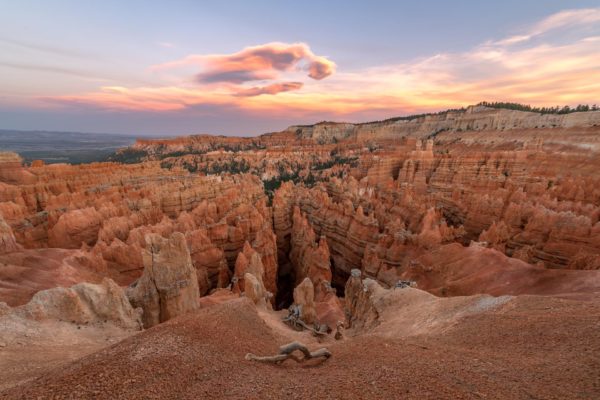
512, 69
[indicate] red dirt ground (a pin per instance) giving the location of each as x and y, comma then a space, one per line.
532, 347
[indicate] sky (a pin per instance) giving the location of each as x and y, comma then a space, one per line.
247, 67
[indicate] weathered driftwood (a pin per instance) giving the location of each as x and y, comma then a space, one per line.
299, 322
294, 320
287, 351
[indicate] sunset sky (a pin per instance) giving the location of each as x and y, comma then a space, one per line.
248, 67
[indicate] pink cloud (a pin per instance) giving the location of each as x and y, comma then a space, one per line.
271, 89
262, 62
560, 69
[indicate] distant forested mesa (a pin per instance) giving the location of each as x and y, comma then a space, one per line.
491, 104
393, 119
541, 110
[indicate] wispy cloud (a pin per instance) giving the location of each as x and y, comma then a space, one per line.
555, 68
563, 19
44, 48
160, 99
51, 69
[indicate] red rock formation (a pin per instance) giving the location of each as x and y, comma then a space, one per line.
310, 260
255, 290
361, 301
362, 241
208, 259
124, 260
496, 236
11, 170
75, 228
169, 284
330, 310
83, 303
383, 196
113, 207
242, 267
265, 244
304, 300
347, 230
8, 243
249, 261
435, 231
480, 190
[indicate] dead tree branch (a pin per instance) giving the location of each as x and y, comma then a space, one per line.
293, 319
286, 351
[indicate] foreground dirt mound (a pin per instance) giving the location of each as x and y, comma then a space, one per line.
60, 325
29, 349
194, 355
529, 346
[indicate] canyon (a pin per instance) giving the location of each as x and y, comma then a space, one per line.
437, 245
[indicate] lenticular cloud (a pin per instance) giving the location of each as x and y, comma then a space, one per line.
263, 62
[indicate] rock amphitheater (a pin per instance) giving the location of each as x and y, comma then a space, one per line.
447, 256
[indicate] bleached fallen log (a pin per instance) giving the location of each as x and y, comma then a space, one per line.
293, 319
313, 330
286, 351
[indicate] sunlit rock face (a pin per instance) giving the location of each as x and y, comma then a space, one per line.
12, 171
169, 285
310, 258
474, 118
304, 299
8, 243
517, 199
111, 207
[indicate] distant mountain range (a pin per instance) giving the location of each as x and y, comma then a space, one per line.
62, 147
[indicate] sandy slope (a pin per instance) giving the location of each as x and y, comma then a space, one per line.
31, 348
519, 347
